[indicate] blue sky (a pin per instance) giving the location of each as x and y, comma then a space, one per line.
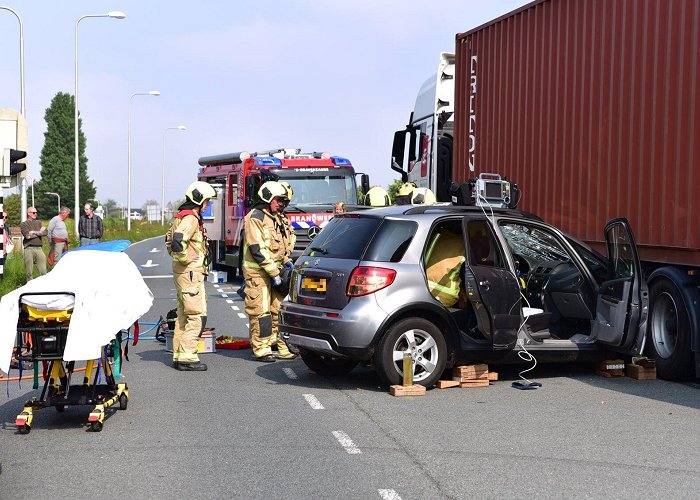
322, 75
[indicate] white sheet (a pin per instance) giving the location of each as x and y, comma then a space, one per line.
110, 295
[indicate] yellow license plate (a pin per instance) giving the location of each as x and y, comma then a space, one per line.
316, 284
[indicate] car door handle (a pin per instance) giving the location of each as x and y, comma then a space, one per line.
486, 284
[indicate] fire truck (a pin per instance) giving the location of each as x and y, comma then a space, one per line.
318, 180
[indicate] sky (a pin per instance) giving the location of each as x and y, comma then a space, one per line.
320, 75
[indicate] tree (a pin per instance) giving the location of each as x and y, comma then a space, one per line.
11, 206
393, 190
57, 158
111, 208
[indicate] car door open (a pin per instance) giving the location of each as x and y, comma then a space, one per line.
622, 301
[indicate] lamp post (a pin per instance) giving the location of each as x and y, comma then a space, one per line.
32, 178
128, 173
116, 15
23, 187
58, 200
162, 176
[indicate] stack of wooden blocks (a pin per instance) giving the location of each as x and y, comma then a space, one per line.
467, 376
642, 369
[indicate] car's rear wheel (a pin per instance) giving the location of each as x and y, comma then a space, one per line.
327, 365
423, 341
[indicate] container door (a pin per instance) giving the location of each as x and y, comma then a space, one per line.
622, 301
491, 287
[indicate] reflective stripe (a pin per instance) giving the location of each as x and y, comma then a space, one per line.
443, 289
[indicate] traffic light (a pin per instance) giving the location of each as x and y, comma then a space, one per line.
10, 157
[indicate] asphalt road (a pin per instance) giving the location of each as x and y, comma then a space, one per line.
249, 430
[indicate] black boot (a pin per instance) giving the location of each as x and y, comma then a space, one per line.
197, 366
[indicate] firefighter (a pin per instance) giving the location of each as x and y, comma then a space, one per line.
377, 197
422, 196
403, 196
290, 237
186, 242
263, 257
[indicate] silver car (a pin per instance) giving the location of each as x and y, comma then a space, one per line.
361, 293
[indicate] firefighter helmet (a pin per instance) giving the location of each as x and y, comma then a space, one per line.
288, 187
423, 196
377, 197
271, 190
403, 195
199, 191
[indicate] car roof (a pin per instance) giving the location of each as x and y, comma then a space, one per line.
440, 209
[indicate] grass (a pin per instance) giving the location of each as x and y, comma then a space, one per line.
114, 229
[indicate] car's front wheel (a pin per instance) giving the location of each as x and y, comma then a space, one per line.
327, 365
423, 341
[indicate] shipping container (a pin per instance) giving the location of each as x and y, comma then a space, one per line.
591, 107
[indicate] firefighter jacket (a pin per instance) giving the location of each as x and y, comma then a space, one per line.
264, 245
444, 259
187, 244
288, 236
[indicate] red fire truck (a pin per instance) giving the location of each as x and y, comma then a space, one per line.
318, 180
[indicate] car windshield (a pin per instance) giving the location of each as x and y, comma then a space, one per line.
532, 243
325, 190
344, 238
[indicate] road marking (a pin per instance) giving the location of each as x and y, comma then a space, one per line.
216, 285
224, 295
389, 495
235, 308
155, 250
290, 373
314, 402
241, 315
346, 442
247, 325
229, 301
160, 276
149, 263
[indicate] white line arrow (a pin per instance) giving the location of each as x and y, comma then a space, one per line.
149, 263
155, 250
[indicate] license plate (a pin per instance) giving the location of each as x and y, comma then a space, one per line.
316, 284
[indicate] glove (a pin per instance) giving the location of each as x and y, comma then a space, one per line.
289, 265
276, 281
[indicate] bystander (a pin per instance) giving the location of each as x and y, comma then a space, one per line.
90, 227
32, 232
58, 235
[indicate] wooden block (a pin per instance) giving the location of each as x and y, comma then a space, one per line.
474, 383
470, 371
610, 368
483, 376
641, 373
407, 390
446, 384
493, 375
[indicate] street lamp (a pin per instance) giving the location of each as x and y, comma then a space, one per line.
59, 200
128, 173
116, 15
32, 178
23, 188
162, 176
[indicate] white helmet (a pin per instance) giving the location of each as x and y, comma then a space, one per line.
271, 190
422, 196
200, 191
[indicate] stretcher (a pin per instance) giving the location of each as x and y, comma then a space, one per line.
41, 337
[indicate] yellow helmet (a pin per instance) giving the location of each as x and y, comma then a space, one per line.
271, 190
199, 191
423, 196
377, 197
288, 187
406, 188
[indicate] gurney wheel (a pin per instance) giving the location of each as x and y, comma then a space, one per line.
96, 426
24, 429
123, 402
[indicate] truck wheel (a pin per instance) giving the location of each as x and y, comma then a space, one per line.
423, 341
326, 365
669, 331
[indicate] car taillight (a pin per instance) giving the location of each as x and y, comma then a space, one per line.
365, 280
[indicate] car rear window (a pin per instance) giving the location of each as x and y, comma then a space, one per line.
344, 238
391, 241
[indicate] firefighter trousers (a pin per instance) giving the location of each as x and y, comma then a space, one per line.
262, 304
191, 306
